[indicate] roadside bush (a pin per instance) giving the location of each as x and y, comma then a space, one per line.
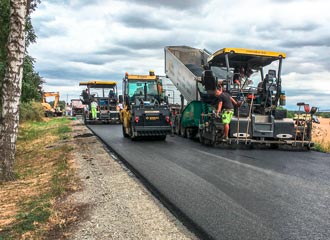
31, 111
325, 114
290, 114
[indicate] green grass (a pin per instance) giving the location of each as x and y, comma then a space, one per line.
62, 132
39, 210
34, 130
33, 212
59, 181
36, 210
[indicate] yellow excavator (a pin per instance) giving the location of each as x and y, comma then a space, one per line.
51, 111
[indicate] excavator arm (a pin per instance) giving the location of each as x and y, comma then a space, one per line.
51, 94
47, 105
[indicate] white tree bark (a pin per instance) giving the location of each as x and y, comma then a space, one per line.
11, 89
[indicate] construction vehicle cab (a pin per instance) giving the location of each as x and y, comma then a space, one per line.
51, 111
145, 110
105, 94
250, 72
252, 77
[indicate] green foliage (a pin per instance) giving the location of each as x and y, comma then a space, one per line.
60, 104
290, 114
30, 35
4, 33
324, 114
31, 111
32, 82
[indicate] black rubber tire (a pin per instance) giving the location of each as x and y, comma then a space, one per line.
124, 133
214, 137
201, 138
183, 132
162, 138
189, 134
133, 138
85, 121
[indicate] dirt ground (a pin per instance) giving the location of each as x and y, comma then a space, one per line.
115, 204
321, 132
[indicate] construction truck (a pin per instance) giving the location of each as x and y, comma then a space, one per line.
145, 110
77, 107
259, 119
51, 111
105, 95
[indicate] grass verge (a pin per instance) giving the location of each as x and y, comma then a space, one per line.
43, 175
322, 146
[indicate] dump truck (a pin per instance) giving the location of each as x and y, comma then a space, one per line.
145, 110
105, 94
77, 107
248, 75
51, 111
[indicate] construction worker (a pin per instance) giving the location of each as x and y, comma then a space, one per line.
226, 106
94, 108
68, 110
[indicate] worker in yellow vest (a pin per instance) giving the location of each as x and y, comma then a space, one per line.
94, 108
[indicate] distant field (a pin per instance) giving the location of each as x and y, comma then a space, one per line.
321, 133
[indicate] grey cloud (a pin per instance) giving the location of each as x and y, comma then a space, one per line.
142, 21
97, 59
302, 95
80, 3
298, 43
62, 83
157, 41
138, 44
276, 30
278, 27
306, 92
43, 18
92, 60
299, 66
284, 1
305, 27
45, 32
116, 50
174, 4
73, 74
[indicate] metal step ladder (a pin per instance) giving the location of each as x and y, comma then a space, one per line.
263, 126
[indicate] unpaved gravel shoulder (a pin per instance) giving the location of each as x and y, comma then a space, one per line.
119, 206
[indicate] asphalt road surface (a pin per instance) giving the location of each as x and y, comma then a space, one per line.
235, 194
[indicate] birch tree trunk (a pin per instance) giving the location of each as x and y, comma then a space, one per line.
11, 89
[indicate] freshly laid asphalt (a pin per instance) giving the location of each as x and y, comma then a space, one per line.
234, 194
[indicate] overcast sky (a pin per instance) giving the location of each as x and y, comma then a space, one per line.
81, 40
